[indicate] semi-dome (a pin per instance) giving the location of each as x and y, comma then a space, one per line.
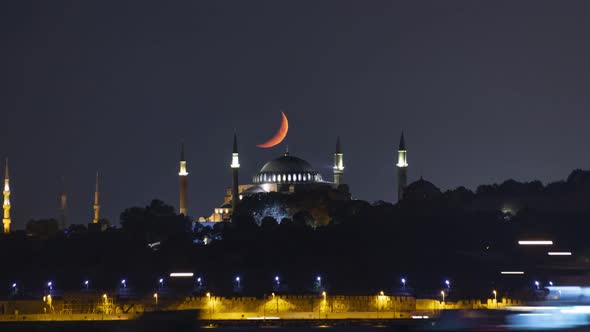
287, 169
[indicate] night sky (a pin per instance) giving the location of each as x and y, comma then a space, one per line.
484, 91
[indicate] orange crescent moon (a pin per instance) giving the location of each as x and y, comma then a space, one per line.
279, 136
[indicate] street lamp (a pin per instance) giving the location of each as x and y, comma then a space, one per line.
537, 284
495, 296
443, 295
156, 298
124, 283
238, 282
50, 285
86, 284
14, 289
550, 283
161, 282
319, 280
448, 283
403, 283
277, 280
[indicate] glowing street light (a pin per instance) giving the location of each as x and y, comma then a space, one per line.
404, 283
156, 298
495, 295
200, 282
161, 282
550, 283
238, 282
50, 285
448, 283
443, 296
535, 242
537, 284
277, 280
86, 284
124, 283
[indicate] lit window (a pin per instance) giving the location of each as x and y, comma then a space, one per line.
299, 177
289, 177
274, 178
226, 210
264, 177
284, 177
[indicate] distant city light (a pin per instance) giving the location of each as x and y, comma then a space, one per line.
535, 243
181, 274
559, 253
512, 272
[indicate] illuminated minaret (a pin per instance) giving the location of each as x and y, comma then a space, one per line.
96, 205
62, 207
338, 163
235, 167
6, 205
402, 168
182, 176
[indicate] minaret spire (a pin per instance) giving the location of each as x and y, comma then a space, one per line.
6, 205
96, 204
62, 205
402, 168
235, 167
183, 181
338, 168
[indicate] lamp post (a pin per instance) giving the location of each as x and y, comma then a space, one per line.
14, 289
324, 295
200, 282
86, 284
442, 292
210, 306
404, 283
161, 283
124, 283
156, 300
238, 283
276, 298
537, 284
319, 280
448, 283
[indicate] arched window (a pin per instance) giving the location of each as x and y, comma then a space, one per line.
289, 177
274, 178
264, 177
299, 177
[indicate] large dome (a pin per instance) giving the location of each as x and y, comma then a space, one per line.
287, 169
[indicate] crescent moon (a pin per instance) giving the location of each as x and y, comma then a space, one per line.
279, 136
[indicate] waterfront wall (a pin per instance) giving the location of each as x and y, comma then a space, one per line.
222, 308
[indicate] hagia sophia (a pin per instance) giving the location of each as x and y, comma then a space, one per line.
286, 174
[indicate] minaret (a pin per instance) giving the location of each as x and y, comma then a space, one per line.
182, 176
338, 163
402, 168
6, 205
96, 205
62, 206
235, 167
